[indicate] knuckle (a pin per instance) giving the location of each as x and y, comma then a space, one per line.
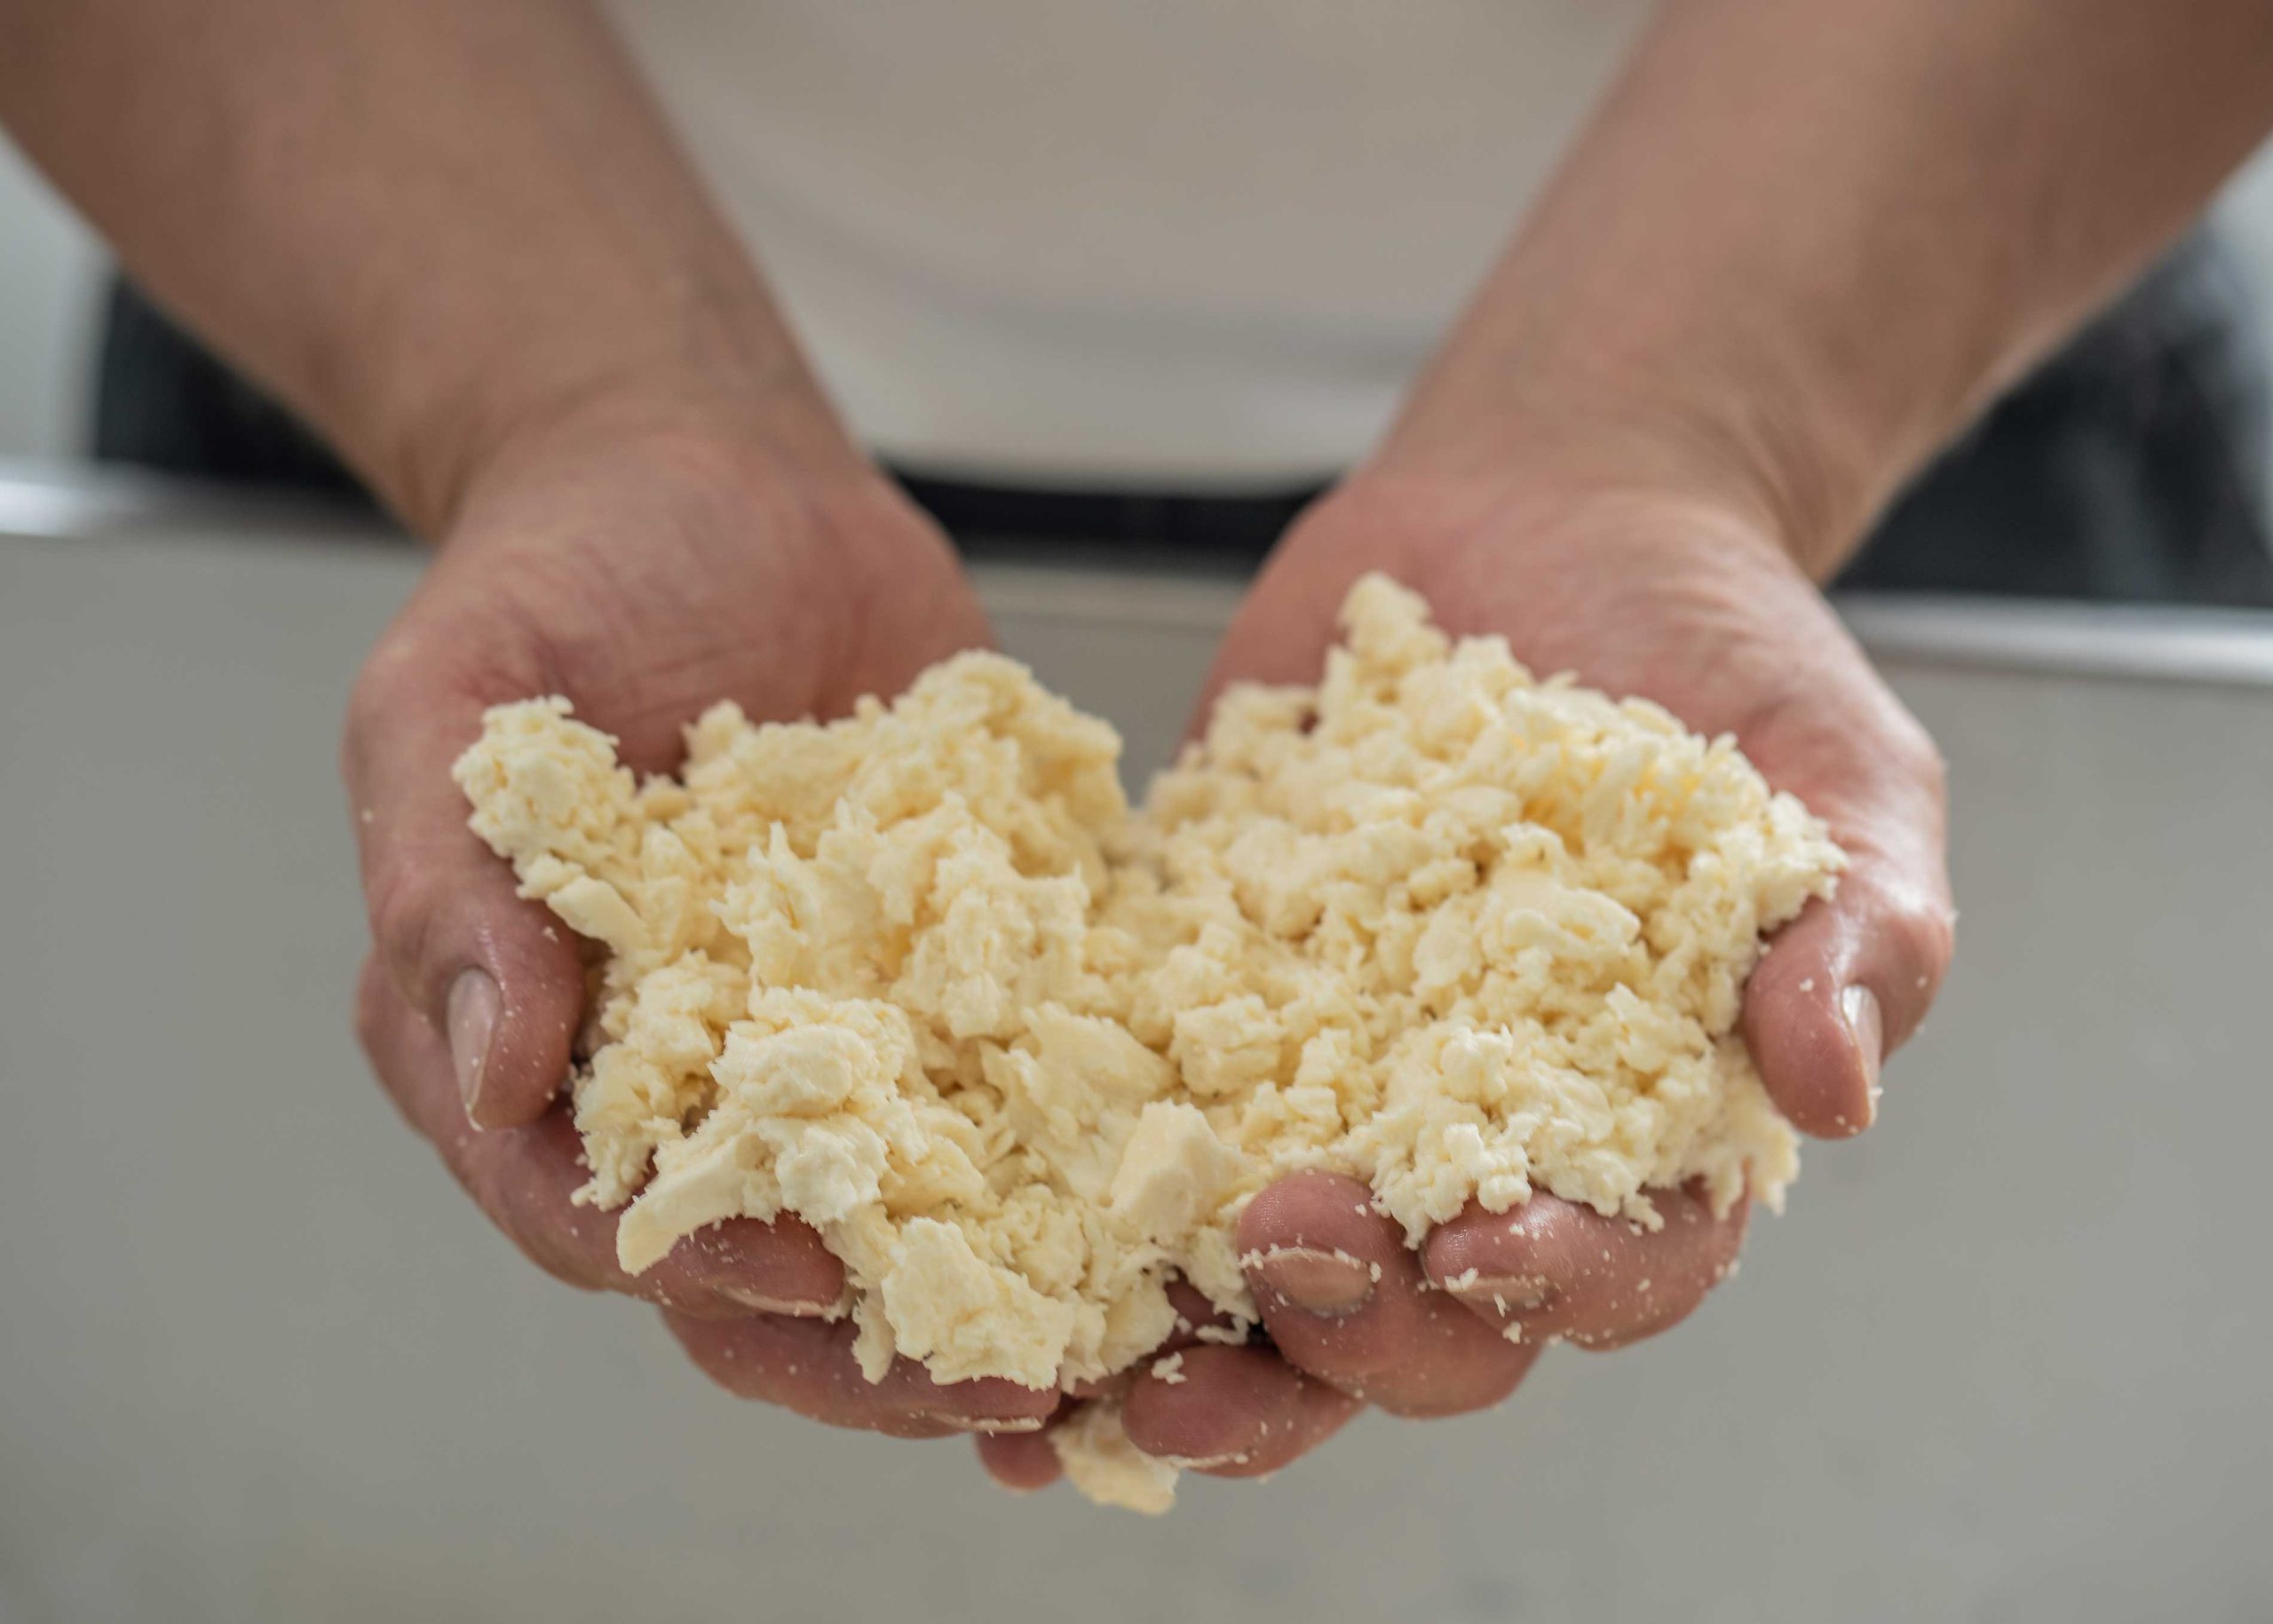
408, 901
1924, 939
1434, 1406
1609, 1338
1912, 752
1931, 767
370, 1015
374, 1015
720, 1364
388, 685
436, 659
506, 1196
1902, 739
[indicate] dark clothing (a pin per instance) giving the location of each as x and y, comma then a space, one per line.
2132, 467
163, 402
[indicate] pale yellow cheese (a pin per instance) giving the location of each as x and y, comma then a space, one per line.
1021, 1056
1174, 1172
1103, 1464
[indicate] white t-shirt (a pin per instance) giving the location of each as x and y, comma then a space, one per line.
1150, 243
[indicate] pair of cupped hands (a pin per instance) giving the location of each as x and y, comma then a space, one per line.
646, 564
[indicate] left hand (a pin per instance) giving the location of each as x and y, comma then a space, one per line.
1651, 587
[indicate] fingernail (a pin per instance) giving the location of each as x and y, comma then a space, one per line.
1860, 1006
995, 1425
1326, 1283
757, 1301
1207, 1463
1503, 1293
475, 1004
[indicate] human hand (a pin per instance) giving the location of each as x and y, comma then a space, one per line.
1675, 593
646, 565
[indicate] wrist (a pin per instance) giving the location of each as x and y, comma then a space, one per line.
432, 412
1762, 455
1617, 522
775, 437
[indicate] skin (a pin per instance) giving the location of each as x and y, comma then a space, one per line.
1799, 247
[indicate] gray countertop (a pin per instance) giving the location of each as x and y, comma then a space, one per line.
258, 1360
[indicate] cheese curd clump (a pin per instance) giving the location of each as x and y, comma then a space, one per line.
1021, 1055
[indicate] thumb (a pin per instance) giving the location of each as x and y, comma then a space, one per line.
1847, 982
486, 967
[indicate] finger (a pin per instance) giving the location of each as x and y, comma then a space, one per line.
1840, 988
1557, 1270
1197, 1320
1022, 1461
1346, 1300
1231, 1412
1194, 1315
526, 1179
808, 1365
491, 969
1028, 1461
1844, 984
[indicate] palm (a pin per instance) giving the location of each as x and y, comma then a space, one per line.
1631, 596
644, 591
1671, 601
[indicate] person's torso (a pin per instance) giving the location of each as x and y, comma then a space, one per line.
1076, 241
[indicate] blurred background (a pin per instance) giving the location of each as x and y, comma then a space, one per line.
51, 283
53, 277
259, 1360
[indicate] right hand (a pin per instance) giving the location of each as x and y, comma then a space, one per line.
646, 562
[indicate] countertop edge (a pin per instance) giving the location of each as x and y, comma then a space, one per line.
2214, 647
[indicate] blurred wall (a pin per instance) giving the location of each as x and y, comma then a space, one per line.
51, 272
2248, 209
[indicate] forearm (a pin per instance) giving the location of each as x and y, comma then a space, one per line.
422, 222
1802, 243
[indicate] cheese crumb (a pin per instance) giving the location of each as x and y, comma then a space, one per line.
1103, 1464
1169, 1370
1021, 1055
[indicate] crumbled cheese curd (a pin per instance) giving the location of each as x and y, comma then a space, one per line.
1021, 1055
